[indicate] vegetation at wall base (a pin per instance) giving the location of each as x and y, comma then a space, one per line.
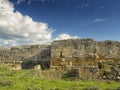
32, 80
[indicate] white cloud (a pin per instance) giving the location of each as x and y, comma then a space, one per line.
20, 1
99, 20
17, 29
65, 36
28, 1
85, 5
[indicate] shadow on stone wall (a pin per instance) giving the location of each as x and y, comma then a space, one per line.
42, 58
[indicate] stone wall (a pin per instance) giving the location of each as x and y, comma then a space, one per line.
109, 49
85, 48
25, 54
72, 47
86, 55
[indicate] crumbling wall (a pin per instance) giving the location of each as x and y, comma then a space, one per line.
109, 49
25, 54
86, 55
80, 47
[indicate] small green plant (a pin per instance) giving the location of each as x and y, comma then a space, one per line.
92, 88
33, 87
29, 80
6, 83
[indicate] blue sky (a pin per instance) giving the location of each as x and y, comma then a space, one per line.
77, 17
97, 19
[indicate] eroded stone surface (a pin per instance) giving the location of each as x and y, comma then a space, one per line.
89, 57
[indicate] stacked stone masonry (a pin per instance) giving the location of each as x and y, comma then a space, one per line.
86, 55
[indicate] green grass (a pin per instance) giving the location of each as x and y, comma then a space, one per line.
31, 80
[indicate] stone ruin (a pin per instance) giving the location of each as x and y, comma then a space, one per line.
93, 59
88, 58
14, 67
28, 56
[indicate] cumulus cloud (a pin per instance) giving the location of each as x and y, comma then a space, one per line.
99, 20
65, 36
17, 29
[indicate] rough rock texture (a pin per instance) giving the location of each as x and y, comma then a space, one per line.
69, 48
26, 55
93, 59
109, 49
82, 47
